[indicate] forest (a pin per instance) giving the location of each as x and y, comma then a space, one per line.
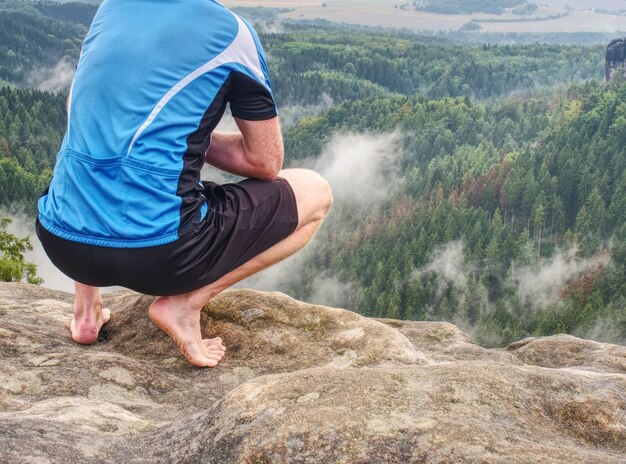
507, 163
318, 61
466, 7
500, 190
30, 40
32, 123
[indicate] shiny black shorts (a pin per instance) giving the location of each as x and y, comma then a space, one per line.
243, 220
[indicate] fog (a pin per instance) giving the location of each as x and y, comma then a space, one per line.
55, 79
449, 262
538, 285
360, 171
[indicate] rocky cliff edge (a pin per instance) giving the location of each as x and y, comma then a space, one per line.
300, 383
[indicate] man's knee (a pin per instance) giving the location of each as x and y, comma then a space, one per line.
313, 193
324, 193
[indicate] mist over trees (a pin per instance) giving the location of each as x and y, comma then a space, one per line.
30, 40
512, 187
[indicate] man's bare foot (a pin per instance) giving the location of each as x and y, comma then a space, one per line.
86, 323
180, 319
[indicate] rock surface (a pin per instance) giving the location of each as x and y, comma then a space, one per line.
300, 383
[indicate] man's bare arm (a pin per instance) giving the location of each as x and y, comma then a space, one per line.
256, 152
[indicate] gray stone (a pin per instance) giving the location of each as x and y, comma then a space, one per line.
251, 314
300, 383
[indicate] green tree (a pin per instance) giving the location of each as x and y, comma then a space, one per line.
13, 266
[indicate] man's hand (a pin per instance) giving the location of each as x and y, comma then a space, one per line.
256, 152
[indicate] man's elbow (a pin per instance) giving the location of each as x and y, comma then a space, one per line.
270, 173
270, 169
268, 177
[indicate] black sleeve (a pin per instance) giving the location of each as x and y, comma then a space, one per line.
249, 99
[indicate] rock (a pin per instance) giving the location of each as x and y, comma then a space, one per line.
615, 62
300, 383
475, 411
566, 351
117, 375
251, 314
443, 341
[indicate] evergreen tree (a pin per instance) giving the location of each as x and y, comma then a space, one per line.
13, 266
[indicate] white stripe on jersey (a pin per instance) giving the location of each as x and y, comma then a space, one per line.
242, 50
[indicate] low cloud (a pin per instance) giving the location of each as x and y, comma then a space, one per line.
449, 262
330, 291
291, 114
269, 27
358, 168
540, 285
55, 79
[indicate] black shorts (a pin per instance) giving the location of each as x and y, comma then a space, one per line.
243, 220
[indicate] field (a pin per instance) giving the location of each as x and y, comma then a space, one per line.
581, 16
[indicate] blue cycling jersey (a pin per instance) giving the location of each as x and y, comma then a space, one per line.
151, 84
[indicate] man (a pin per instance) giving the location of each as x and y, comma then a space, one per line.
126, 205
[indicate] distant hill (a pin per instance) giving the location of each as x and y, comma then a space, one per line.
74, 12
